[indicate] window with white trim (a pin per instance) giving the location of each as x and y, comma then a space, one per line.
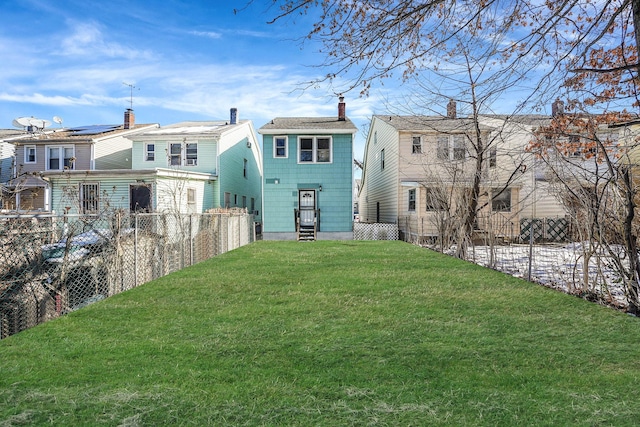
149, 152
434, 199
501, 200
382, 159
89, 198
315, 149
175, 154
191, 153
416, 144
280, 147
191, 196
245, 164
60, 157
412, 200
451, 147
30, 154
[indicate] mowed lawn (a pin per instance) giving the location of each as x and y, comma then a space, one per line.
328, 334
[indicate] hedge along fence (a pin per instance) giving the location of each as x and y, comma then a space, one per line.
52, 265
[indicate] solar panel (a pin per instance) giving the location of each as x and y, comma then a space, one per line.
93, 129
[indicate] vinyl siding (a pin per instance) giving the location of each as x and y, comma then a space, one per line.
82, 154
335, 201
207, 155
114, 153
232, 177
380, 186
7, 151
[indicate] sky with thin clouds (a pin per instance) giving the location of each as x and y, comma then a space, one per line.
177, 60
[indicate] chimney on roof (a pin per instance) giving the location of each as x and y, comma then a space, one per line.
341, 109
557, 108
129, 119
233, 119
451, 109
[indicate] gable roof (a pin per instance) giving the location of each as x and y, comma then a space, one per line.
213, 128
438, 124
79, 134
308, 125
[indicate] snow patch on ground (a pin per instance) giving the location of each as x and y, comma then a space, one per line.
559, 267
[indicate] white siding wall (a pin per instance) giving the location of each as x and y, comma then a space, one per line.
380, 186
114, 153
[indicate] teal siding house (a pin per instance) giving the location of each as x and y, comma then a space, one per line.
308, 177
214, 164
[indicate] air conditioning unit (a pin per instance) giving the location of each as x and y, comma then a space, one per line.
192, 162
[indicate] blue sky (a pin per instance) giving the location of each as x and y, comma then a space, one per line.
187, 60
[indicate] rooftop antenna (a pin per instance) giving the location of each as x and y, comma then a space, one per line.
131, 88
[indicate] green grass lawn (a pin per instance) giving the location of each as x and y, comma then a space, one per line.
328, 334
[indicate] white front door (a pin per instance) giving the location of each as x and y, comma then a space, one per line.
307, 203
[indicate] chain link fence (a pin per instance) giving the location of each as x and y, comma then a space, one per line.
547, 251
52, 265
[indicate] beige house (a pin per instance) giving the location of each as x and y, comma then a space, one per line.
418, 172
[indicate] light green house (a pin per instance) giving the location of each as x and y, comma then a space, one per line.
308, 177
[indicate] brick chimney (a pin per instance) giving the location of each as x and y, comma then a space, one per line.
341, 109
557, 108
233, 116
451, 109
129, 119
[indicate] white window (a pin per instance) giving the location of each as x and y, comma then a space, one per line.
434, 200
382, 159
493, 157
501, 200
280, 147
244, 167
89, 198
416, 145
315, 149
451, 147
191, 196
412, 200
150, 152
191, 150
175, 154
29, 153
60, 157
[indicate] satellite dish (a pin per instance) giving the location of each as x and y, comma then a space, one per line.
22, 122
39, 123
57, 119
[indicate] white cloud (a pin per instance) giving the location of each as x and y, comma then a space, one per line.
87, 41
207, 34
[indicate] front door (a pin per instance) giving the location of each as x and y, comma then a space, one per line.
307, 203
